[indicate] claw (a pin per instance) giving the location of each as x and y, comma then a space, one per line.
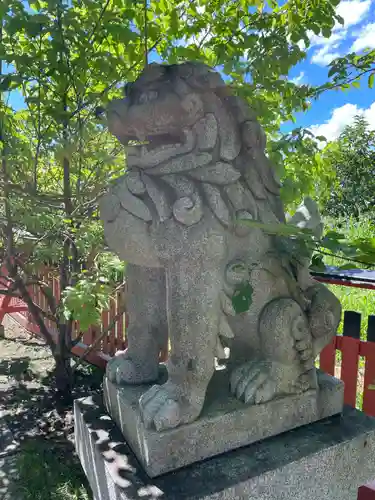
238, 374
168, 416
151, 404
246, 381
147, 396
251, 389
159, 409
264, 393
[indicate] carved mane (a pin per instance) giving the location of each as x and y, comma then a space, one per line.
226, 169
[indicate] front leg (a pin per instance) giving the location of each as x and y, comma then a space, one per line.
147, 334
193, 286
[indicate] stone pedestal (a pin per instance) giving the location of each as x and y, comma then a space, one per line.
326, 460
225, 423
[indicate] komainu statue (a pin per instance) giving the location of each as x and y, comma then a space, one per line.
196, 169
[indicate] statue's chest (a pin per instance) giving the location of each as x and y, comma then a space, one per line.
174, 240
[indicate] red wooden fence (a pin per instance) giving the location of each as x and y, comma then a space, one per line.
106, 348
367, 492
355, 366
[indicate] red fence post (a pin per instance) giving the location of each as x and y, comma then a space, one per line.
327, 358
350, 348
366, 492
368, 350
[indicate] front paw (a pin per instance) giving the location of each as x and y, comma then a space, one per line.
159, 409
125, 369
164, 407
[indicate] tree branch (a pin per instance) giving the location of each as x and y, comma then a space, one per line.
99, 339
330, 86
104, 8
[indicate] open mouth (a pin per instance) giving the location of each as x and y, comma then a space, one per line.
155, 141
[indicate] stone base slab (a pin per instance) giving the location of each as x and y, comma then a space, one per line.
225, 423
328, 459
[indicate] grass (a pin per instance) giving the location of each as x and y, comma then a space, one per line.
46, 474
356, 299
353, 299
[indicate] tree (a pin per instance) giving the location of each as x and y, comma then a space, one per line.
352, 157
304, 171
67, 60
347, 71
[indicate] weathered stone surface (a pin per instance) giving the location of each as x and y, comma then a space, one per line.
225, 422
202, 164
325, 460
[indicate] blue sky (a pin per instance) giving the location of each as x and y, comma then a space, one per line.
334, 109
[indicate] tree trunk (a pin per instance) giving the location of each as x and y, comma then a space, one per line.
63, 367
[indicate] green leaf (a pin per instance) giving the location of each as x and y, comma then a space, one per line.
242, 298
347, 267
332, 71
39, 18
279, 229
340, 19
371, 80
334, 235
174, 21
5, 83
317, 263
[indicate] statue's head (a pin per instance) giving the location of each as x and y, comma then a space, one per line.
191, 143
168, 110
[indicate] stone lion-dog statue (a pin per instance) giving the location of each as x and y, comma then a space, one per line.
197, 168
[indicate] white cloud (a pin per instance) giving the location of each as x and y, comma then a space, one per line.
353, 12
323, 56
341, 117
333, 40
300, 79
366, 39
328, 47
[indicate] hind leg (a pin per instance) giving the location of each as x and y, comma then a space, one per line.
286, 362
147, 333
